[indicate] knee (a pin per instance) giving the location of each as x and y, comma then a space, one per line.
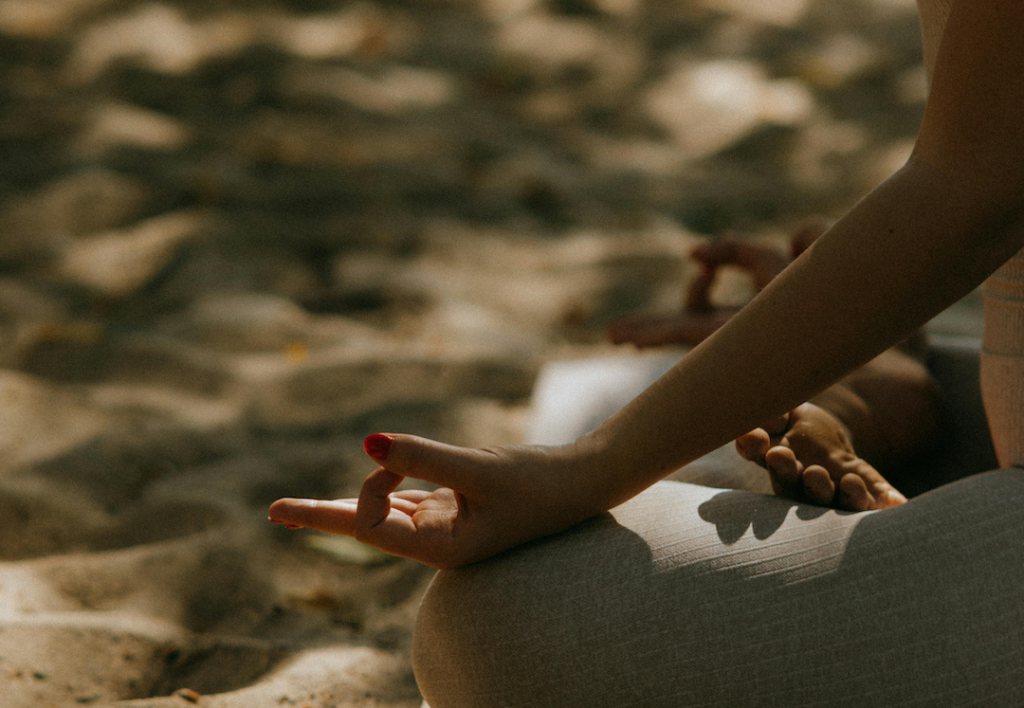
472, 625
520, 629
446, 645
570, 619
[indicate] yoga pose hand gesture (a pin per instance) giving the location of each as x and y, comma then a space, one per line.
490, 500
699, 318
920, 241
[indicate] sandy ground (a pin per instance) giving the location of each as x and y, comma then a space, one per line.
238, 236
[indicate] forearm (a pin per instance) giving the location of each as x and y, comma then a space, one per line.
910, 249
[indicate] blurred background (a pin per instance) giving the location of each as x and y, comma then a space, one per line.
169, 166
238, 235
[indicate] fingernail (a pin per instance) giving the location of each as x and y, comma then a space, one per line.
292, 526
378, 446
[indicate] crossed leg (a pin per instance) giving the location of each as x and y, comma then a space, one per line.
888, 410
691, 596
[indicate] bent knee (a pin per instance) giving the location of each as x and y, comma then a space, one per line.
510, 630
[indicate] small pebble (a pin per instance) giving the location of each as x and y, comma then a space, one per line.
188, 694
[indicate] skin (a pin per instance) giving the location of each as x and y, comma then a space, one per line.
699, 318
890, 406
919, 242
809, 457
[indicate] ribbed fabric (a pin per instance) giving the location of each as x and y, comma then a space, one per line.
688, 596
1002, 360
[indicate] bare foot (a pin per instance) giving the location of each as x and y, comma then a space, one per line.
810, 458
699, 318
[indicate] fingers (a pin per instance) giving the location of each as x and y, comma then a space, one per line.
379, 518
812, 484
763, 262
408, 498
375, 501
330, 516
698, 297
420, 458
724, 250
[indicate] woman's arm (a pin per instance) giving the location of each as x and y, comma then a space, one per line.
917, 243
913, 247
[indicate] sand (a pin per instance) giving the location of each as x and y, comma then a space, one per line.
236, 237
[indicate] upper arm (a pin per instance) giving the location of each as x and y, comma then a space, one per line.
973, 128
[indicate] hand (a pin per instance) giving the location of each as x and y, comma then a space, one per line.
490, 500
699, 318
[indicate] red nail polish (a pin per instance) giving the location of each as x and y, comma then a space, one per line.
378, 445
292, 526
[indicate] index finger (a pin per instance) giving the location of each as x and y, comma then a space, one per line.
422, 458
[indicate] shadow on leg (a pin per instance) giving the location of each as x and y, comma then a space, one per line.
689, 596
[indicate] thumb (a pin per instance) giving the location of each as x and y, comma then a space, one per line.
412, 456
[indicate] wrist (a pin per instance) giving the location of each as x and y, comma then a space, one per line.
605, 473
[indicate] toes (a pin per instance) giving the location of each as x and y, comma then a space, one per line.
889, 498
753, 445
818, 485
784, 470
853, 494
778, 426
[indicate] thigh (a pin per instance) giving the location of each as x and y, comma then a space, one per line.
690, 596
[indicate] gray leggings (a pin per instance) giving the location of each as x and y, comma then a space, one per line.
693, 596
